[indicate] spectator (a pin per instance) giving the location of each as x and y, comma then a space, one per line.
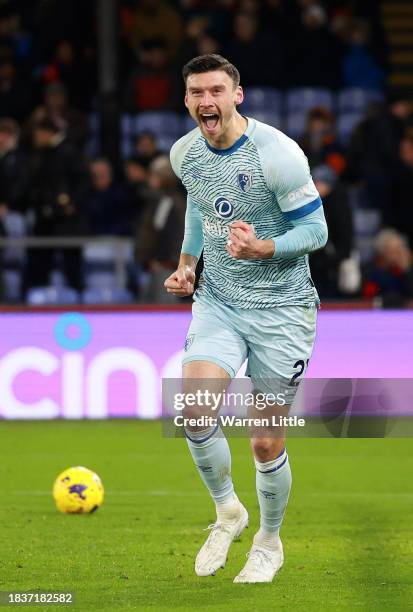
314, 54
15, 96
159, 237
334, 270
146, 148
320, 142
154, 85
373, 152
279, 17
136, 174
359, 66
155, 19
56, 108
247, 49
400, 213
390, 275
106, 204
56, 179
66, 67
13, 165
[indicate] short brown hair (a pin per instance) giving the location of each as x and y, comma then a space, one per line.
208, 63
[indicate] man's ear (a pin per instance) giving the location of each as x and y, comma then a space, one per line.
186, 100
239, 95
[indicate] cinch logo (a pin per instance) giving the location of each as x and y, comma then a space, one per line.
83, 376
223, 208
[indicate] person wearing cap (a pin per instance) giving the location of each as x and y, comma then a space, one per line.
335, 269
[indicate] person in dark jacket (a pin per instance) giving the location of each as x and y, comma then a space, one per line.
106, 202
13, 164
159, 236
330, 265
56, 179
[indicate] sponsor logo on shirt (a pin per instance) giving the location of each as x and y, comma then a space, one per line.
216, 228
223, 208
305, 191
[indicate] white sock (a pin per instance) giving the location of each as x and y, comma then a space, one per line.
212, 457
273, 480
267, 539
228, 511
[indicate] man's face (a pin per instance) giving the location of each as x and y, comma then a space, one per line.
6, 141
101, 175
211, 98
42, 138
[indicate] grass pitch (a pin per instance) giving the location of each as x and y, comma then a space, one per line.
348, 532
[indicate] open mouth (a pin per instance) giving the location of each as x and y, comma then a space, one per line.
210, 121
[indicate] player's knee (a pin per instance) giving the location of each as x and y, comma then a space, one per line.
267, 449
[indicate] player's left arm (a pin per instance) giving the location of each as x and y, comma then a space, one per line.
308, 234
291, 182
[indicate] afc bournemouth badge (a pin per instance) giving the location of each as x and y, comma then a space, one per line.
245, 180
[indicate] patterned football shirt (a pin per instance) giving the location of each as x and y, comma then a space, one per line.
262, 179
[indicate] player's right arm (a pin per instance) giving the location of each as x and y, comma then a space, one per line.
182, 281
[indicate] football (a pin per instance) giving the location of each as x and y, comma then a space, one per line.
78, 490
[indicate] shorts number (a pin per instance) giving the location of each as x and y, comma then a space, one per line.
301, 365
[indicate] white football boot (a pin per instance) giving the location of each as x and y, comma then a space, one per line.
214, 552
262, 564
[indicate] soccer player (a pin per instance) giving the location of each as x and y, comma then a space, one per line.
255, 213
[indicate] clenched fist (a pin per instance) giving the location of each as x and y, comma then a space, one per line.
181, 282
243, 243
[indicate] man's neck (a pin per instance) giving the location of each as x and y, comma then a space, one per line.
233, 132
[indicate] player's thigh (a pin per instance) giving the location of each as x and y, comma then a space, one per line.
213, 339
214, 352
280, 344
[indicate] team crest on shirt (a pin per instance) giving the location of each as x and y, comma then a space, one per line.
245, 180
189, 341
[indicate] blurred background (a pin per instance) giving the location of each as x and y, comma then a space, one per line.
91, 100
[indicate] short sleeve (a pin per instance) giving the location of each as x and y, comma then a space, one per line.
288, 175
175, 161
294, 188
180, 149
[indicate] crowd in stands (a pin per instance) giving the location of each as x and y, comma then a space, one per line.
55, 182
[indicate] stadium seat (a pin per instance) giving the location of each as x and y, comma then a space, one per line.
295, 124
266, 99
100, 280
107, 295
13, 258
188, 124
166, 126
346, 124
269, 117
57, 279
38, 296
159, 123
367, 223
12, 286
354, 99
303, 99
99, 260
92, 146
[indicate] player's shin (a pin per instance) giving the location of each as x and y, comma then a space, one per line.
273, 481
211, 454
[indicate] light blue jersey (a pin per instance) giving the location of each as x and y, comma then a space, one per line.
264, 180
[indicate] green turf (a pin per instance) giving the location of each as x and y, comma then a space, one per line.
348, 532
